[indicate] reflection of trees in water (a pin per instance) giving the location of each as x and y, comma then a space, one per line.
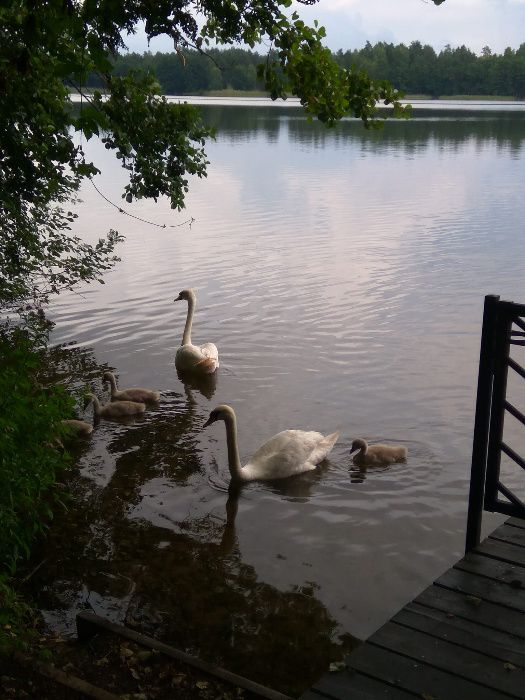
426, 128
418, 134
192, 592
245, 123
189, 588
75, 368
200, 596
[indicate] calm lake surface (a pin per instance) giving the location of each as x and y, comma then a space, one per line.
341, 274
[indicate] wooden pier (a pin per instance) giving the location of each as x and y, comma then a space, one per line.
463, 638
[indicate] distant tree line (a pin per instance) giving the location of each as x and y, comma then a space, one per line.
414, 69
418, 69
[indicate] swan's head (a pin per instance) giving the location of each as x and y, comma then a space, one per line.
108, 376
221, 412
185, 294
359, 444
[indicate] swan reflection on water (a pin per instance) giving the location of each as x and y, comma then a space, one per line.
229, 537
206, 384
296, 489
358, 472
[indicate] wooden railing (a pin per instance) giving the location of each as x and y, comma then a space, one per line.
503, 327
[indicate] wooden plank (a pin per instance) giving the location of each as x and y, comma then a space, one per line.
350, 684
502, 550
516, 522
451, 658
78, 685
492, 568
507, 533
417, 677
483, 588
499, 645
88, 624
488, 614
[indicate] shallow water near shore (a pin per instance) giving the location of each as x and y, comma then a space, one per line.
341, 274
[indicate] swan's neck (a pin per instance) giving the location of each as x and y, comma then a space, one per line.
113, 383
96, 405
234, 463
186, 336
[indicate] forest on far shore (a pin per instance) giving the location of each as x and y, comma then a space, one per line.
416, 69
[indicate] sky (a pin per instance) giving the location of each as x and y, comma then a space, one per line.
351, 23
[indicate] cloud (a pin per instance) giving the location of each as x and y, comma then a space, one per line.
475, 23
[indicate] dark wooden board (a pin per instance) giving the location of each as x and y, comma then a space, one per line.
345, 685
502, 550
516, 522
507, 533
486, 640
484, 588
492, 568
451, 658
486, 613
417, 677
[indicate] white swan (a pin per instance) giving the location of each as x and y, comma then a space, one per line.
134, 393
285, 454
115, 409
204, 358
377, 454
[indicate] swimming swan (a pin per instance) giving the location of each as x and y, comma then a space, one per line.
115, 409
377, 454
132, 394
204, 358
285, 454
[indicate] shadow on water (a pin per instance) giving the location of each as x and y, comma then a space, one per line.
180, 578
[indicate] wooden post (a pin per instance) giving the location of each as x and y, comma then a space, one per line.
481, 423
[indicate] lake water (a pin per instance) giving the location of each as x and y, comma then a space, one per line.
341, 274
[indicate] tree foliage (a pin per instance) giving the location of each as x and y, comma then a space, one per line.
30, 416
46, 47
